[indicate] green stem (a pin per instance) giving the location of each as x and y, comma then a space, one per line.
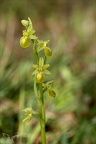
36, 94
35, 89
41, 99
35, 51
42, 113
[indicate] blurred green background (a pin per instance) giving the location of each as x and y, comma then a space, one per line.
71, 28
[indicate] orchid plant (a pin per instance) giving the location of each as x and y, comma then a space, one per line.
40, 71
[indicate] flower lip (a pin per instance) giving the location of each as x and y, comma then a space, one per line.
25, 41
39, 77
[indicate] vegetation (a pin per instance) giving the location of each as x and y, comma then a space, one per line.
71, 116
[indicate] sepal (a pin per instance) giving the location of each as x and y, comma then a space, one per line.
33, 37
25, 23
30, 32
35, 66
45, 66
34, 72
47, 72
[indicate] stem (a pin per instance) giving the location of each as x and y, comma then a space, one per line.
36, 94
35, 89
42, 112
35, 51
40, 99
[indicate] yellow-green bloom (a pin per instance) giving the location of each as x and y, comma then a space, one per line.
41, 71
42, 45
28, 33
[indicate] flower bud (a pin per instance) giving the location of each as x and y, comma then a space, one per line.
39, 77
24, 41
52, 93
47, 51
25, 23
